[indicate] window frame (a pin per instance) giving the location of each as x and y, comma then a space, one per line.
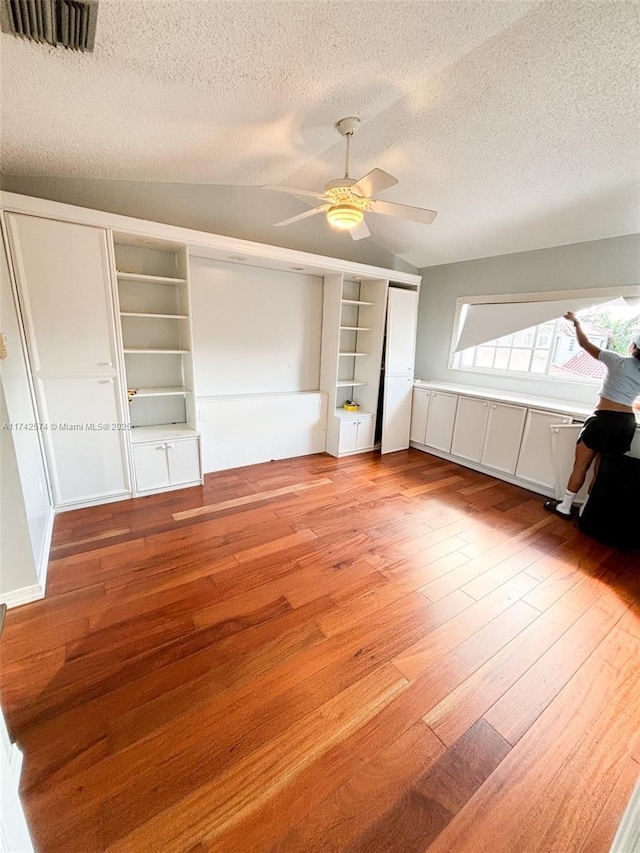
632, 290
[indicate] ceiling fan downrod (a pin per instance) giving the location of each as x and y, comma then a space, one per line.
347, 127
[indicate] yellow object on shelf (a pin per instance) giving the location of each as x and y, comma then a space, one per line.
350, 406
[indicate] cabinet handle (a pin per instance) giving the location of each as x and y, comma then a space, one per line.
105, 381
169, 446
104, 364
159, 446
484, 405
493, 406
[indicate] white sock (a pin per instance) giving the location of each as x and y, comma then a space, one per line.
566, 503
581, 510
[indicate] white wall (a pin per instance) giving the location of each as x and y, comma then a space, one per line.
248, 213
17, 564
26, 509
255, 331
611, 263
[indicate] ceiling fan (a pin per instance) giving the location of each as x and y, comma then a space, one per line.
345, 201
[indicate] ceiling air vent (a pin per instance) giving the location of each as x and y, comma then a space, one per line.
62, 23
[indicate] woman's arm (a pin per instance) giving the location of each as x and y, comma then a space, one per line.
583, 340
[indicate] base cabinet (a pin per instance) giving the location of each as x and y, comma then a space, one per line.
535, 462
488, 433
356, 434
433, 418
419, 414
166, 464
441, 420
471, 425
503, 437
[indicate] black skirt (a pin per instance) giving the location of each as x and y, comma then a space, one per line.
609, 432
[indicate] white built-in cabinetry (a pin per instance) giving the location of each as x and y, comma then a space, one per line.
356, 433
155, 333
508, 440
63, 277
488, 432
433, 418
108, 333
355, 315
535, 463
106, 304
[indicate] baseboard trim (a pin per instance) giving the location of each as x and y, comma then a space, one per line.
25, 595
46, 550
627, 838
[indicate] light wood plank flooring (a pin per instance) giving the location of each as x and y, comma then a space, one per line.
369, 654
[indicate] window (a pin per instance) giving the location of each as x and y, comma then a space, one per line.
548, 348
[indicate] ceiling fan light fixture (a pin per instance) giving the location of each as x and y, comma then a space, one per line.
344, 216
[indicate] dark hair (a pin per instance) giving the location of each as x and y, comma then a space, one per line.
636, 352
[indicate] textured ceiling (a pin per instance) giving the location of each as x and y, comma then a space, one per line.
517, 121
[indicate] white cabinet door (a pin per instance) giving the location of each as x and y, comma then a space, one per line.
151, 466
503, 437
442, 415
419, 414
184, 461
364, 435
470, 427
535, 462
396, 413
85, 448
356, 434
348, 435
563, 445
402, 314
65, 292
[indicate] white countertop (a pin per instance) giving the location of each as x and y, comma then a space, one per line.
575, 410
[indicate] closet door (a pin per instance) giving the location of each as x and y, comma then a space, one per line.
64, 288
402, 309
402, 317
84, 439
63, 274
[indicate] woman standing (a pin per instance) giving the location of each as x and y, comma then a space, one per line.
612, 426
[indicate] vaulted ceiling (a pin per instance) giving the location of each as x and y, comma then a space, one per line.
517, 121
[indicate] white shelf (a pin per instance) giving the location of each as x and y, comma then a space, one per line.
159, 316
137, 351
349, 383
354, 329
353, 354
151, 279
161, 392
355, 302
161, 432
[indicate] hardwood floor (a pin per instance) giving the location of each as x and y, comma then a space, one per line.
367, 654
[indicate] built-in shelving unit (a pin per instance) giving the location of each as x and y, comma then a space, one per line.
156, 344
353, 331
155, 329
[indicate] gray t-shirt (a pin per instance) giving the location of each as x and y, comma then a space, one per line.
622, 382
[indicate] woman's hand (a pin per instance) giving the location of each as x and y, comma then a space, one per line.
571, 317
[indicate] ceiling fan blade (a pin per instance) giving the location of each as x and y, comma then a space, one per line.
360, 231
403, 211
304, 215
373, 182
293, 191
